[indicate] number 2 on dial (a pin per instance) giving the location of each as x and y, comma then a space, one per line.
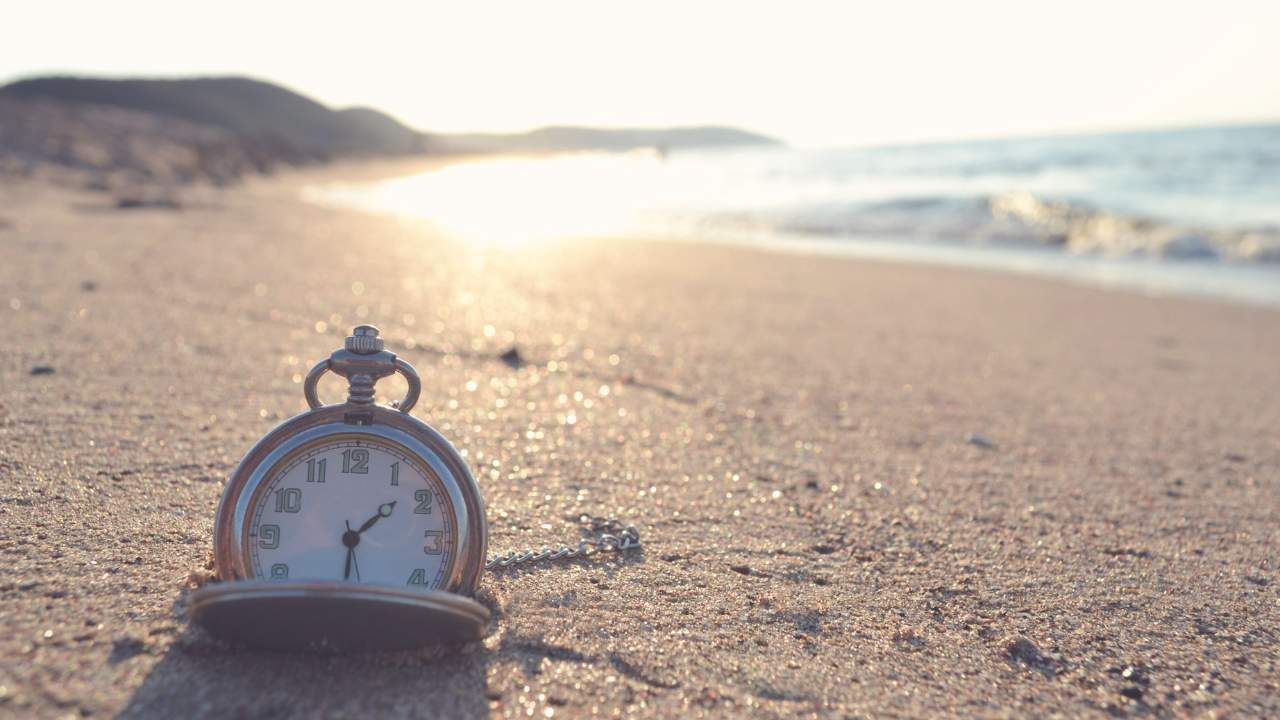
424, 502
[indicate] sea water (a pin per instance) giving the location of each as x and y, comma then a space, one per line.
1189, 211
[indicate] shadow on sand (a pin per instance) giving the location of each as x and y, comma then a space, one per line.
200, 676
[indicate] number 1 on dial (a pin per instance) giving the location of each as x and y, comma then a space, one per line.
395, 473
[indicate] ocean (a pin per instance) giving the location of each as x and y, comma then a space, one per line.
1187, 211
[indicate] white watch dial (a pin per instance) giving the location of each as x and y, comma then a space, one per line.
353, 509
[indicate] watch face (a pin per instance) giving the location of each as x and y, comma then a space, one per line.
355, 508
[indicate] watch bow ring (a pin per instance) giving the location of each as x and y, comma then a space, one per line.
363, 361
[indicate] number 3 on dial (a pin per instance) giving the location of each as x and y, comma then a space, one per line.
435, 542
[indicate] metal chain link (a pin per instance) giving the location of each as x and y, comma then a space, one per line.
615, 537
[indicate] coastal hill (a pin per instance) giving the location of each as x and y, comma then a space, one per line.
246, 108
221, 128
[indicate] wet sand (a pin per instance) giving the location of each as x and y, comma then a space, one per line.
865, 489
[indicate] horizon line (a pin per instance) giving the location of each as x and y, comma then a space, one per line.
784, 141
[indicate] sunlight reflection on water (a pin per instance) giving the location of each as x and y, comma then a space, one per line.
516, 201
776, 199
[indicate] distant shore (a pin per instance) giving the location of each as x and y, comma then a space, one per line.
157, 137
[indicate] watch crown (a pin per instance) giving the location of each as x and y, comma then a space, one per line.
364, 340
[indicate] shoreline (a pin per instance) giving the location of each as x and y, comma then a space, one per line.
1245, 283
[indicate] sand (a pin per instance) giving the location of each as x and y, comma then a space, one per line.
865, 489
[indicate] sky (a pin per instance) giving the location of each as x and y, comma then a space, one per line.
814, 74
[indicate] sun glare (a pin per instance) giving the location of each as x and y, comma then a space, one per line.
518, 201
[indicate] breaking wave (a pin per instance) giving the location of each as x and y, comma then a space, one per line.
1017, 219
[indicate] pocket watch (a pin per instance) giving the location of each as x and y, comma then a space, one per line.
351, 526
357, 527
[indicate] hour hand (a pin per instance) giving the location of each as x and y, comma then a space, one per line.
384, 510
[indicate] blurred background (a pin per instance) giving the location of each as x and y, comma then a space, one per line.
1124, 143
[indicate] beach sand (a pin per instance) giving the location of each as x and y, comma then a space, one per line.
864, 489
